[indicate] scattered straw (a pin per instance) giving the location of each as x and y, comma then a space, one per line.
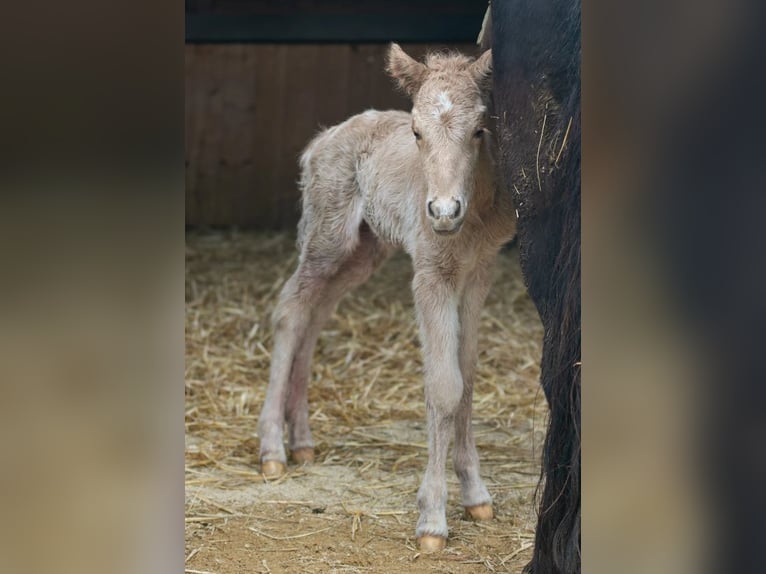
519, 550
367, 413
293, 537
539, 145
564, 141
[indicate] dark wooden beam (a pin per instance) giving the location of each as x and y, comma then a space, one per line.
333, 28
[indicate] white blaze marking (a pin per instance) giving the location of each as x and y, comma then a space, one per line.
444, 104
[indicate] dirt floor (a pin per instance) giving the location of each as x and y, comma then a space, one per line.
354, 510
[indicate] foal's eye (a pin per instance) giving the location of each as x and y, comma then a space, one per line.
478, 133
416, 133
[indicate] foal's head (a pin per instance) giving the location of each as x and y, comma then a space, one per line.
448, 94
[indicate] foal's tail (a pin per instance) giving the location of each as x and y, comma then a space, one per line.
304, 183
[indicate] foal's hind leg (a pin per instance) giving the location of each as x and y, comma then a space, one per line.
355, 270
306, 302
291, 322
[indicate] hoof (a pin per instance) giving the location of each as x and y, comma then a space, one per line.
479, 512
430, 543
301, 455
272, 468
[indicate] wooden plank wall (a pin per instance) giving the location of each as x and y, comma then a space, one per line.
251, 109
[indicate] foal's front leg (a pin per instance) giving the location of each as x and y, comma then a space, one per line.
437, 310
476, 498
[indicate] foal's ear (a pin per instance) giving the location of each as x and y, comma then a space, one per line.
409, 73
482, 70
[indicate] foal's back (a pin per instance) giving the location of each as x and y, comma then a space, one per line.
364, 168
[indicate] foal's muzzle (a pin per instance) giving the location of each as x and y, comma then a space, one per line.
445, 215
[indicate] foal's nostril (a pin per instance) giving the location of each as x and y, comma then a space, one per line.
430, 209
457, 211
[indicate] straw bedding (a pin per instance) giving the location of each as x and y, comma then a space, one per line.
353, 510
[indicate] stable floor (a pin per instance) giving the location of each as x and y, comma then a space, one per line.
354, 509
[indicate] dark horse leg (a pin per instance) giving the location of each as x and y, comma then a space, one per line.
536, 74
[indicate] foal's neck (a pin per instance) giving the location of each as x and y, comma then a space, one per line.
492, 205
484, 182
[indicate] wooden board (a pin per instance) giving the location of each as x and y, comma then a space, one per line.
252, 108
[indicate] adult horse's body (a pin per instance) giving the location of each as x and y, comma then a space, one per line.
423, 182
536, 99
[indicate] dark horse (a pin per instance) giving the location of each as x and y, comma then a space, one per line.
536, 74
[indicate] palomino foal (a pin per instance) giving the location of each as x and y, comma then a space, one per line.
422, 181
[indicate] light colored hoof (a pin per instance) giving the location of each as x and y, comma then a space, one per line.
430, 543
479, 512
272, 468
301, 455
